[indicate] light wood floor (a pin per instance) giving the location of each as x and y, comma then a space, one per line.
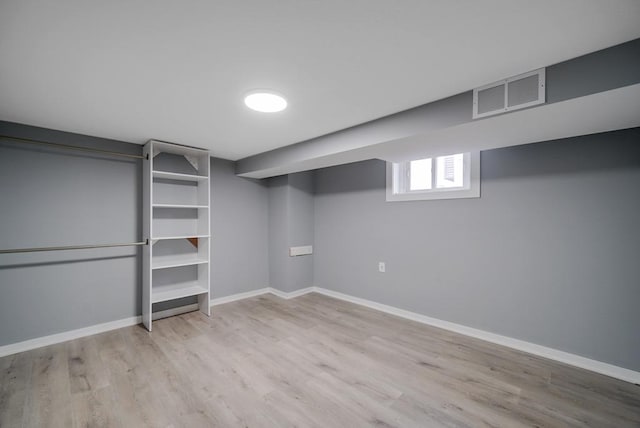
309, 362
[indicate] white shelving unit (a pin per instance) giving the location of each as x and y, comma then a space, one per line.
176, 222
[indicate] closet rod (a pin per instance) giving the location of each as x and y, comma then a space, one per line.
71, 247
70, 147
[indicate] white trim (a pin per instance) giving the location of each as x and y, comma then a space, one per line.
539, 350
53, 339
239, 296
291, 294
395, 191
65, 336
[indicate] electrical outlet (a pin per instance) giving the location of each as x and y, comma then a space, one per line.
382, 267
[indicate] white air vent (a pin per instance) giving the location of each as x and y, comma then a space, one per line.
514, 93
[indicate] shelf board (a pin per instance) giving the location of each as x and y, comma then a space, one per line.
159, 238
177, 149
175, 261
178, 176
179, 206
176, 291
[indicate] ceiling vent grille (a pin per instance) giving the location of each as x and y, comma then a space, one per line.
510, 94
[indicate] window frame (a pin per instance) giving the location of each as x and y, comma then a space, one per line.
398, 181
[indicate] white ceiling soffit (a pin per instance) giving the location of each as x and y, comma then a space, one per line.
601, 112
178, 70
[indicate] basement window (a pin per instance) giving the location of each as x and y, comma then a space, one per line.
442, 177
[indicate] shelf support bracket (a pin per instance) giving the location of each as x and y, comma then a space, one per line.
192, 160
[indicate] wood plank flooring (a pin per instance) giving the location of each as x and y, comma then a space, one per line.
312, 361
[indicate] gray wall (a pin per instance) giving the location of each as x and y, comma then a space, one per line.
278, 232
548, 254
291, 223
52, 197
301, 227
239, 231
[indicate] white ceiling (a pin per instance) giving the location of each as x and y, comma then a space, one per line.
177, 70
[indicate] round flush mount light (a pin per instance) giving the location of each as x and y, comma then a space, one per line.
265, 101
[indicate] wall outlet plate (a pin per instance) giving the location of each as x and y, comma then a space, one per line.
300, 251
382, 267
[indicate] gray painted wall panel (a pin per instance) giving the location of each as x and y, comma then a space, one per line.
278, 232
301, 228
548, 254
600, 71
291, 223
239, 230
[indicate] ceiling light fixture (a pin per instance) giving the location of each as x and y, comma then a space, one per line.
265, 101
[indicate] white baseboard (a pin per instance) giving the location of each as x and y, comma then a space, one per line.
53, 339
239, 296
539, 350
267, 290
531, 348
290, 294
65, 336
